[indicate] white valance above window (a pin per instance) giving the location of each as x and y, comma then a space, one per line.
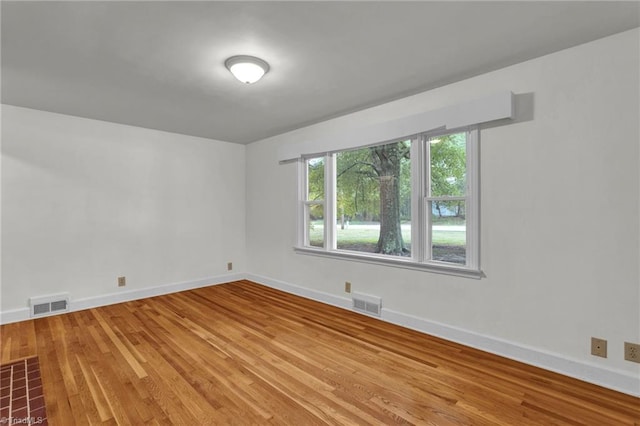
494, 107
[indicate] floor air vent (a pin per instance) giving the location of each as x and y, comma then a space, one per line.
49, 305
371, 305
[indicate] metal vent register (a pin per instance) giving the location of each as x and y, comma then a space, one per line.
371, 305
48, 305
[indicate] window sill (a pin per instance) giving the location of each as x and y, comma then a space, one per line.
404, 263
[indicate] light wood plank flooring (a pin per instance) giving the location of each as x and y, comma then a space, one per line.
244, 354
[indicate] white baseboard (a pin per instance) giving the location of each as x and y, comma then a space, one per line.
22, 314
14, 315
613, 379
609, 378
319, 296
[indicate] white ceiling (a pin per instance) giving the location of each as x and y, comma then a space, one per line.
161, 64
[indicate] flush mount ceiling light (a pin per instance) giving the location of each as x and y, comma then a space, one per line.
247, 69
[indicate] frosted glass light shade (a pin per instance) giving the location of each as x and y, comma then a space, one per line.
247, 69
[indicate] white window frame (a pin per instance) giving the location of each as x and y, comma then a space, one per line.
305, 204
420, 210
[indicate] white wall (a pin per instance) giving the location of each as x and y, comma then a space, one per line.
560, 208
86, 201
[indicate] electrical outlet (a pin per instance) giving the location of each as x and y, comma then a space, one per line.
122, 281
598, 347
229, 266
632, 352
347, 287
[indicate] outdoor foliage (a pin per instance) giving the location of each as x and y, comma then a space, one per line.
448, 172
316, 179
374, 186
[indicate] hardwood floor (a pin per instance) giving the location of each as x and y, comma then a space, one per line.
244, 354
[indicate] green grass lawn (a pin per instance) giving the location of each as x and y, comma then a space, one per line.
354, 236
448, 220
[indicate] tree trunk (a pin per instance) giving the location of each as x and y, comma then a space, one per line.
438, 209
390, 240
387, 161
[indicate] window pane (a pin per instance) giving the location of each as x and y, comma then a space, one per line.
315, 182
373, 199
448, 160
315, 220
448, 231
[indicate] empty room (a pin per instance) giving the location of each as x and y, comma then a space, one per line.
308, 213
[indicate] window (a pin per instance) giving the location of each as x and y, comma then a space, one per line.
373, 184
446, 197
314, 202
412, 202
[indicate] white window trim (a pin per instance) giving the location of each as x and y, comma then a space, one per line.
304, 204
330, 237
400, 262
420, 246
